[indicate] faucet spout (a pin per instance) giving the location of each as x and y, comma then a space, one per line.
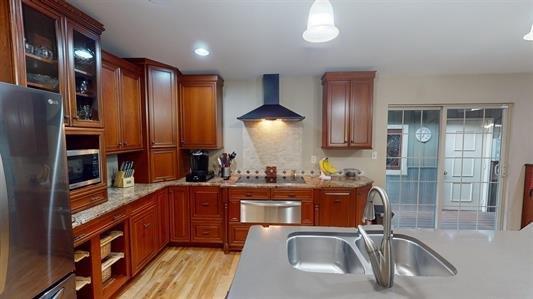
381, 258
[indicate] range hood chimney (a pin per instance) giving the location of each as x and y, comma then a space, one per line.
271, 109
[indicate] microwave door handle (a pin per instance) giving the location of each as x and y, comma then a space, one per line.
4, 228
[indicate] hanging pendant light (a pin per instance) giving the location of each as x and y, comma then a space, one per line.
529, 36
321, 23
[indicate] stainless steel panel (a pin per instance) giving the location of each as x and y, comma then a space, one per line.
32, 149
84, 183
66, 289
269, 211
4, 228
72, 153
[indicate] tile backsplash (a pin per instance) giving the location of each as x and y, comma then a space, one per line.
277, 143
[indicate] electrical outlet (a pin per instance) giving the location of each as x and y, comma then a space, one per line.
313, 159
374, 155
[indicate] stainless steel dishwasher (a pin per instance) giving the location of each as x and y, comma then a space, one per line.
271, 211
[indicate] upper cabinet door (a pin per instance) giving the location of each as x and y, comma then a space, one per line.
111, 99
162, 95
198, 117
84, 76
131, 110
41, 64
361, 114
337, 113
201, 111
347, 110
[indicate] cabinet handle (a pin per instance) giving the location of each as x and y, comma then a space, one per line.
205, 233
337, 200
147, 225
337, 193
248, 194
66, 116
76, 117
204, 204
292, 195
125, 143
120, 144
153, 142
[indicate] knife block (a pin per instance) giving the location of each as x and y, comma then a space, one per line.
123, 182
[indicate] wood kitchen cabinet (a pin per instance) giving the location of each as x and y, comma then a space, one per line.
207, 214
337, 208
163, 202
347, 110
121, 95
53, 46
201, 111
145, 235
527, 207
160, 161
180, 228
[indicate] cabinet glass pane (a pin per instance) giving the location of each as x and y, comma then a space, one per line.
84, 52
40, 46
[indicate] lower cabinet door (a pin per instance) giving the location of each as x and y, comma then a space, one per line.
337, 208
207, 232
237, 235
180, 228
144, 237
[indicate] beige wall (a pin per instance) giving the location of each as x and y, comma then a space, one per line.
303, 95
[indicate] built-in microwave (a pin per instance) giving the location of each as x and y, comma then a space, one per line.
83, 168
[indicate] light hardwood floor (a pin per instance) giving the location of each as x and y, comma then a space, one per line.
185, 272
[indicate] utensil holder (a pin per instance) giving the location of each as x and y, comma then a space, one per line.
123, 182
226, 172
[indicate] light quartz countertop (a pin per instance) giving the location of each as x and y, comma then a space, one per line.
489, 265
118, 197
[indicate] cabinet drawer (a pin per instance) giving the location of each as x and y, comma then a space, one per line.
206, 202
86, 231
237, 235
207, 232
292, 194
249, 193
88, 200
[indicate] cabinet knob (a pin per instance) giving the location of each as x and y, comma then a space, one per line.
147, 225
120, 144
66, 116
76, 117
125, 143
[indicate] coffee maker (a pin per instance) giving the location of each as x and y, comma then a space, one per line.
199, 171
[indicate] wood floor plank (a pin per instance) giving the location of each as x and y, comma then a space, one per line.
185, 272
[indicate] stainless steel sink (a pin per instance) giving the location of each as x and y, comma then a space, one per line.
345, 253
324, 253
412, 257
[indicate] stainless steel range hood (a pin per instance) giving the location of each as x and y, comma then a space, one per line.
271, 109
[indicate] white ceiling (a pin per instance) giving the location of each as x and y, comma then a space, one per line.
251, 37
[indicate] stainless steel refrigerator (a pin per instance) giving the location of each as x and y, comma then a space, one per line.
36, 245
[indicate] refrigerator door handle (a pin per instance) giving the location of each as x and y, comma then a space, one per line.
4, 228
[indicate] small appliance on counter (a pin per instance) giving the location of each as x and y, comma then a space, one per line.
199, 168
124, 177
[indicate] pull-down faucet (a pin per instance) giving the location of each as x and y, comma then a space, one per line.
380, 258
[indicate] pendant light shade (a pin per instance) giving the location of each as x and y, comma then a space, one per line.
321, 23
529, 36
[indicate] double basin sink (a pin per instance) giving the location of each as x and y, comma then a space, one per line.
345, 253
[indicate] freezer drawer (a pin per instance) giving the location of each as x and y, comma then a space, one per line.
271, 211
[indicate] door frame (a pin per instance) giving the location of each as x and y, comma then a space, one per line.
502, 202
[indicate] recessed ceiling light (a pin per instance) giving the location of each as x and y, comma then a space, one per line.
201, 51
529, 36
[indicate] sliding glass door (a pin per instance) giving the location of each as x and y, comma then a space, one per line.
443, 166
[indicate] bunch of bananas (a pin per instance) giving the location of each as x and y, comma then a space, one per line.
326, 167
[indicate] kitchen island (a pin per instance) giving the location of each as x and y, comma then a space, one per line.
489, 265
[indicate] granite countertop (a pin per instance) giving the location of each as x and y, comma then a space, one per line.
118, 197
489, 265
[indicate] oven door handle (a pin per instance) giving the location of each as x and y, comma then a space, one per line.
270, 203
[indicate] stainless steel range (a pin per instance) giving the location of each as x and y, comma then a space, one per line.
280, 180
270, 211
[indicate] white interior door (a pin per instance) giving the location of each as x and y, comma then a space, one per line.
465, 169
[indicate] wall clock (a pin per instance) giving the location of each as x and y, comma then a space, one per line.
423, 134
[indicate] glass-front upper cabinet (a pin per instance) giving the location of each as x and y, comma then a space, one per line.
84, 67
42, 50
